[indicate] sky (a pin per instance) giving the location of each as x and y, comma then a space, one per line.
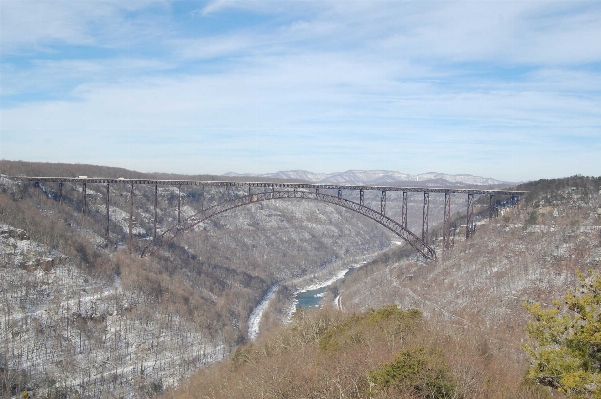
508, 90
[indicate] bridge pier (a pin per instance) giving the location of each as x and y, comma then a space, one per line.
404, 211
202, 198
446, 233
236, 200
156, 202
83, 193
107, 210
179, 204
131, 218
425, 218
470, 215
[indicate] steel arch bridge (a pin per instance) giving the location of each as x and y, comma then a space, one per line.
178, 230
303, 191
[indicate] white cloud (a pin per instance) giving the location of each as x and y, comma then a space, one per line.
31, 26
334, 85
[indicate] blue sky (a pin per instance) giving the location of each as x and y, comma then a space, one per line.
509, 90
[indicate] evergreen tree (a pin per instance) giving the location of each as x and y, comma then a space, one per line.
566, 348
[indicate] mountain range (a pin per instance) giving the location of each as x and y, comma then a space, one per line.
380, 177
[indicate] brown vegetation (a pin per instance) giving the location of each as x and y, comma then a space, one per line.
384, 353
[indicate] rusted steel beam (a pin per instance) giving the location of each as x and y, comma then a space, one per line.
60, 192
83, 193
361, 197
131, 218
425, 219
470, 215
179, 204
170, 234
156, 203
107, 209
268, 185
446, 233
404, 211
202, 197
383, 203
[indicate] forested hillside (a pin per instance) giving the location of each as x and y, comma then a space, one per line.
81, 315
384, 353
469, 343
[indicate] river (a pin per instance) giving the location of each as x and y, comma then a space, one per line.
308, 297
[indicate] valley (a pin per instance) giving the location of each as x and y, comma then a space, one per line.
83, 316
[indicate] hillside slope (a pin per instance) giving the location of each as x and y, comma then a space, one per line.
529, 253
472, 300
91, 317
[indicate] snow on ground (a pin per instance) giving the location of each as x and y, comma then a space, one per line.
255, 317
69, 331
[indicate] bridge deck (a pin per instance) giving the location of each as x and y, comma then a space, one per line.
291, 190
264, 185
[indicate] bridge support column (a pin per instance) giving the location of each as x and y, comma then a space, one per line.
108, 204
425, 219
156, 203
470, 215
404, 211
383, 203
83, 194
179, 204
131, 218
202, 198
491, 207
446, 233
339, 192
60, 193
361, 197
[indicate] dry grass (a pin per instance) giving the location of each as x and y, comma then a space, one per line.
386, 353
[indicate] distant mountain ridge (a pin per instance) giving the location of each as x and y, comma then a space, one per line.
380, 177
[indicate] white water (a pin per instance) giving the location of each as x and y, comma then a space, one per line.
255, 317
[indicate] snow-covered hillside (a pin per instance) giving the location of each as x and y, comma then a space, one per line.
378, 177
528, 254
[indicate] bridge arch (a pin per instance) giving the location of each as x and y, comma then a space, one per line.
169, 235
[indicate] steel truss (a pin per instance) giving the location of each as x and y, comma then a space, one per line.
176, 231
288, 190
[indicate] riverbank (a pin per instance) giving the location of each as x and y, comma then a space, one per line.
332, 273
